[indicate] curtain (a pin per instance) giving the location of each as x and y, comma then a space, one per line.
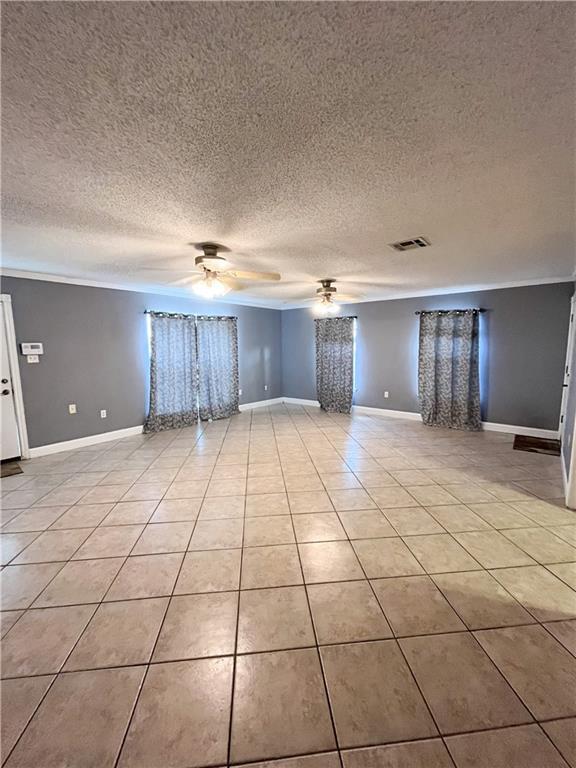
335, 363
217, 366
448, 380
173, 372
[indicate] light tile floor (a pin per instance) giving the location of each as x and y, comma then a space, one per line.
289, 585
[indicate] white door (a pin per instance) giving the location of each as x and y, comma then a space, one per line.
10, 441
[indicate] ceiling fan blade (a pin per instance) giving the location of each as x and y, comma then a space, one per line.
223, 277
184, 281
347, 297
169, 269
243, 275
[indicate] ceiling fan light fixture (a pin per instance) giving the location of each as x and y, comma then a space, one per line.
327, 306
210, 287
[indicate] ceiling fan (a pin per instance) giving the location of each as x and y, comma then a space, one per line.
217, 274
327, 300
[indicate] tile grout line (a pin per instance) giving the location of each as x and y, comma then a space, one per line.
155, 644
311, 617
235, 652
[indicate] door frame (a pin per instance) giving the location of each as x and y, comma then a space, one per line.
12, 349
567, 371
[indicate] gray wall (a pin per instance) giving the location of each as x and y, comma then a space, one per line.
96, 354
522, 352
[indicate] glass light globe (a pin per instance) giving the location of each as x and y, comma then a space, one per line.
210, 288
326, 307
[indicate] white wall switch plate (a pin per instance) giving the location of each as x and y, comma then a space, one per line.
32, 359
32, 348
103, 414
265, 387
72, 408
386, 394
239, 391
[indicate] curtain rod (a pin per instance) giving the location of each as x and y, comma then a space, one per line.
447, 311
344, 317
184, 314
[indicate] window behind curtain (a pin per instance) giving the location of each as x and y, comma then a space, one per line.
173, 372
335, 363
193, 370
448, 378
217, 366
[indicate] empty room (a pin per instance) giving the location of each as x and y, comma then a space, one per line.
288, 393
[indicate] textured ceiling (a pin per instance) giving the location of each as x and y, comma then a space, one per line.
304, 136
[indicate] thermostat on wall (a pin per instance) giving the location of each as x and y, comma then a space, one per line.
32, 348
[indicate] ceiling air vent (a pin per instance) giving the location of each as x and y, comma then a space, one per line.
409, 245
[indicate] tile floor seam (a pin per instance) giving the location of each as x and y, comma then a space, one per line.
154, 645
235, 654
317, 648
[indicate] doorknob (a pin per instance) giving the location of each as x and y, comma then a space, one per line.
5, 391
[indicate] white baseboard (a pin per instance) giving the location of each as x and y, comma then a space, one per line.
369, 411
261, 403
299, 401
548, 434
84, 442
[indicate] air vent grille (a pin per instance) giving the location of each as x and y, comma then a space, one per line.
409, 245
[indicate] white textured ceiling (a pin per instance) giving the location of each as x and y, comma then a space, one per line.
304, 136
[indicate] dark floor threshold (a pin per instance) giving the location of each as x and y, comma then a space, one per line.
537, 445
10, 467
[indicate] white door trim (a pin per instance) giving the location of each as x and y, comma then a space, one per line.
6, 303
567, 371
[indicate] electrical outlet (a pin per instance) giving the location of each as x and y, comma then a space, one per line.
32, 359
72, 408
103, 414
265, 387
239, 391
386, 393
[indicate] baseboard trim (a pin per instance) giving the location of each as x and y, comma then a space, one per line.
370, 411
300, 401
548, 434
261, 403
84, 442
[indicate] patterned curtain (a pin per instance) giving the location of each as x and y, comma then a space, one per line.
335, 363
173, 372
218, 366
448, 381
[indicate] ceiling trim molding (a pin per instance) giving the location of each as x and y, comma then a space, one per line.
181, 293
450, 290
138, 288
